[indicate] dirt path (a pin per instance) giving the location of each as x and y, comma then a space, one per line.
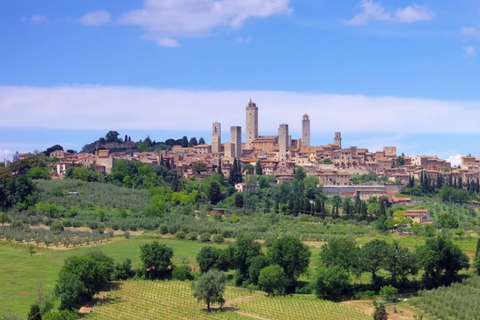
367, 307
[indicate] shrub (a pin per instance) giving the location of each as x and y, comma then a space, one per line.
388, 292
180, 234
182, 273
56, 226
205, 237
218, 238
192, 236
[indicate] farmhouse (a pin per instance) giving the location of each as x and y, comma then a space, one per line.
420, 216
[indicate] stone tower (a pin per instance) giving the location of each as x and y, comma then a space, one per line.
236, 141
338, 139
283, 138
217, 138
305, 131
252, 124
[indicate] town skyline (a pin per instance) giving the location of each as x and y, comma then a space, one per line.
381, 73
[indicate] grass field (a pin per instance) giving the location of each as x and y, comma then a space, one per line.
20, 273
136, 300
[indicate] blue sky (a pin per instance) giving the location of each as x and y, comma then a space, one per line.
383, 72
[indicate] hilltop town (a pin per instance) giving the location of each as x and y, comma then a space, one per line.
337, 167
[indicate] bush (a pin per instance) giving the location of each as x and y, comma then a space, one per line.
180, 234
192, 236
56, 226
205, 237
182, 273
388, 292
218, 238
364, 295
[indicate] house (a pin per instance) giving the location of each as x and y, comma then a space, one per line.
419, 216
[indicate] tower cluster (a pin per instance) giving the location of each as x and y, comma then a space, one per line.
279, 145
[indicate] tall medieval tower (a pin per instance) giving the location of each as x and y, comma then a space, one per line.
252, 124
338, 139
305, 131
236, 141
217, 138
283, 142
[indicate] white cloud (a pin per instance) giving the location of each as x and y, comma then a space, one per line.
374, 11
103, 107
165, 20
37, 19
455, 160
95, 18
470, 31
469, 51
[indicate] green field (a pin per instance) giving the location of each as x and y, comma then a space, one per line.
20, 273
136, 300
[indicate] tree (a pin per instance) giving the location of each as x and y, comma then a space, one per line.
112, 136
299, 174
208, 258
400, 262
388, 292
156, 259
199, 167
39, 173
184, 142
201, 141
34, 313
380, 313
239, 200
256, 266
4, 218
193, 142
56, 147
258, 168
244, 251
210, 288
19, 188
219, 168
61, 315
290, 254
331, 282
214, 194
272, 280
441, 259
81, 277
372, 257
340, 252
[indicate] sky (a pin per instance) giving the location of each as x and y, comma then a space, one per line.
383, 73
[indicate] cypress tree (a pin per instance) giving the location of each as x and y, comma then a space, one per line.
277, 207
357, 203
258, 168
460, 183
175, 183
162, 162
167, 164
219, 168
34, 313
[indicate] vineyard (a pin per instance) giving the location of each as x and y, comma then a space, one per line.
138, 300
174, 300
456, 302
301, 308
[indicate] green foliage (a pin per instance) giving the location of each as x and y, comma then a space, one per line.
34, 313
156, 259
244, 250
18, 189
214, 194
372, 257
272, 280
81, 277
208, 258
440, 260
112, 136
340, 252
210, 288
84, 174
258, 168
56, 226
61, 315
291, 254
239, 200
205, 237
39, 173
389, 292
331, 282
124, 270
182, 273
218, 238
380, 312
256, 266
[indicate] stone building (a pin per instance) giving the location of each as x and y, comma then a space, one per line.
305, 131
217, 138
283, 139
236, 141
338, 139
252, 124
